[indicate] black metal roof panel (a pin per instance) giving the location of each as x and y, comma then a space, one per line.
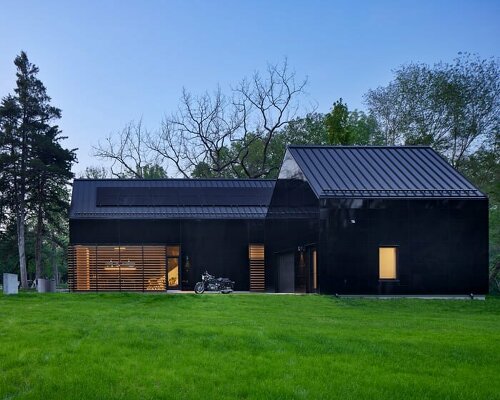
380, 172
170, 198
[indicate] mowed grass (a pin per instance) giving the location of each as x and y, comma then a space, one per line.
141, 346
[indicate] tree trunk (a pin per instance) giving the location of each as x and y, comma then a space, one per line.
55, 270
21, 247
38, 243
21, 210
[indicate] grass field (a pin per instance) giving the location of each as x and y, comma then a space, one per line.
135, 346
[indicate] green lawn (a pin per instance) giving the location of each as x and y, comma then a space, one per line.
135, 346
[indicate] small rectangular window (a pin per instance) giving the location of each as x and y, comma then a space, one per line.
387, 262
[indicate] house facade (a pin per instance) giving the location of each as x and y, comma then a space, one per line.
347, 220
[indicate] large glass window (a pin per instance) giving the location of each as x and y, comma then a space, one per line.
154, 268
387, 262
173, 266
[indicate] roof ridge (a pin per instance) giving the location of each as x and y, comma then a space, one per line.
175, 179
320, 146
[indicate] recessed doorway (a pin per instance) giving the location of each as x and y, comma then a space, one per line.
286, 272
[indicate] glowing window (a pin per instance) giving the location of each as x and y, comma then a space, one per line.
387, 262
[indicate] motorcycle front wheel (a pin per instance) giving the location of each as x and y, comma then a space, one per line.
199, 288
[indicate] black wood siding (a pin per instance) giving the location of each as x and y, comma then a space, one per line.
442, 246
221, 247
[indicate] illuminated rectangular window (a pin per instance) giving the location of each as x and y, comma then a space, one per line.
387, 262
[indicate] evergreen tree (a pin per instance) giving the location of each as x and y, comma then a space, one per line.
35, 168
48, 197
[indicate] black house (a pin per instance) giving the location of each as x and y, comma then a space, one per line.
348, 220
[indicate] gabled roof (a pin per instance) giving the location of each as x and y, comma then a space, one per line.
171, 198
379, 172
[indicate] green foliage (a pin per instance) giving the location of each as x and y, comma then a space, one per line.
453, 107
94, 172
115, 346
203, 170
483, 168
337, 124
49, 255
310, 129
146, 171
248, 157
363, 129
35, 169
250, 160
351, 128
153, 171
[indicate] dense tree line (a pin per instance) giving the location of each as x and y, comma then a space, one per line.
35, 172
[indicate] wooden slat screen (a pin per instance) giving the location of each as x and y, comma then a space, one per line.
117, 268
71, 267
108, 268
155, 269
131, 266
82, 258
257, 270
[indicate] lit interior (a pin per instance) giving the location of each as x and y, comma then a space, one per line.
315, 269
173, 271
387, 262
115, 268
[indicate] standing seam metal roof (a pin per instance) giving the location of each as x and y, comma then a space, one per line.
380, 172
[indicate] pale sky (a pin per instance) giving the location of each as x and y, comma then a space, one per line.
106, 63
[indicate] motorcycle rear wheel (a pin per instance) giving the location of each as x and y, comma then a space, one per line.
199, 288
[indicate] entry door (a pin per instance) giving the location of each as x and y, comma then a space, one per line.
287, 273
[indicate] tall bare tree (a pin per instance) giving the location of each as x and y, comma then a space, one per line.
214, 132
201, 130
266, 104
127, 150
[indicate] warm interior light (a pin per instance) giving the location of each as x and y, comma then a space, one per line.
120, 267
156, 283
387, 262
315, 269
115, 266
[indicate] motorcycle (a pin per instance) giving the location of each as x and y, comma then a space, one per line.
212, 284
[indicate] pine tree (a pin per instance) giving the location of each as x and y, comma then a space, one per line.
34, 165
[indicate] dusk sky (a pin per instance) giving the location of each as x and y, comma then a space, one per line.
107, 63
